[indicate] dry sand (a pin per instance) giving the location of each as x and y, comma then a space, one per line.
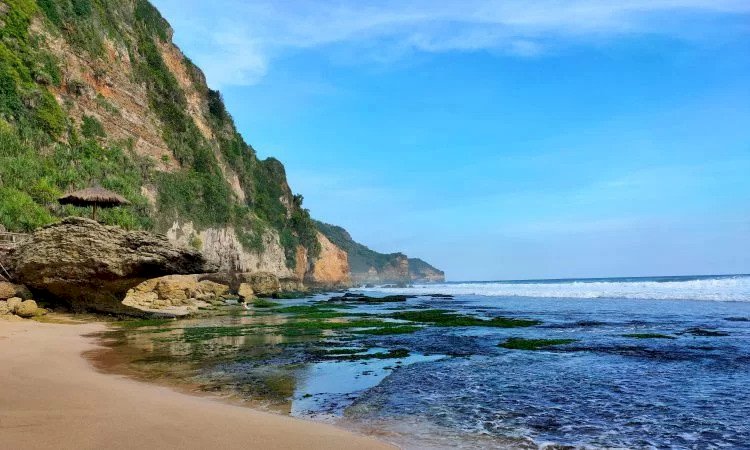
52, 398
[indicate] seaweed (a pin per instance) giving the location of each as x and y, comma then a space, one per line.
649, 336
129, 324
263, 303
445, 318
384, 331
533, 344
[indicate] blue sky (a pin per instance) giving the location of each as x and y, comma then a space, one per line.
500, 139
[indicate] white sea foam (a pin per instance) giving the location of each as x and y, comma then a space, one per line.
718, 289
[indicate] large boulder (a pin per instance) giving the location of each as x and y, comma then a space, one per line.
13, 304
92, 266
264, 284
4, 309
27, 309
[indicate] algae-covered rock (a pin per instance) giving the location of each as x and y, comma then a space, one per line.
92, 266
26, 309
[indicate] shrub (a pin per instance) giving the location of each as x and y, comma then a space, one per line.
19, 212
92, 128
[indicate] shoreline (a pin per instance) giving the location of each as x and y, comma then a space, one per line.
54, 397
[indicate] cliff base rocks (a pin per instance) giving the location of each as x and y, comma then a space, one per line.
91, 266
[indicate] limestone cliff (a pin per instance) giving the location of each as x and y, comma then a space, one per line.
370, 267
94, 91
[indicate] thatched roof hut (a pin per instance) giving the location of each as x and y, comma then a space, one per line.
94, 196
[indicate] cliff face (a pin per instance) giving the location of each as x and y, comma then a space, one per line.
422, 272
370, 267
94, 91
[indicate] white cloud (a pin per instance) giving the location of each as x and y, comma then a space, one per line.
235, 40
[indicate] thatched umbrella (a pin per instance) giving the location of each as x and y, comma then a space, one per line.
95, 196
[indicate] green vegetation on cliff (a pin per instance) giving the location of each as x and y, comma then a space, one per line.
361, 258
45, 149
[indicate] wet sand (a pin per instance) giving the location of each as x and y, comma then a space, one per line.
52, 397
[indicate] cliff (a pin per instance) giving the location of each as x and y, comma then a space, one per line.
370, 267
96, 92
422, 272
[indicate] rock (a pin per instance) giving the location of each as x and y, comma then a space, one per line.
175, 291
246, 292
291, 285
23, 292
211, 289
13, 304
26, 309
7, 290
92, 266
264, 284
331, 268
4, 309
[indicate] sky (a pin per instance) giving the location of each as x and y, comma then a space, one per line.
497, 140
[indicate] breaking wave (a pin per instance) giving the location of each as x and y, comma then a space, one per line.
717, 288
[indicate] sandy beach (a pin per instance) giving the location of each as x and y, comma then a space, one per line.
51, 397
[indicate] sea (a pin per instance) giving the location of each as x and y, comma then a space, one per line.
657, 362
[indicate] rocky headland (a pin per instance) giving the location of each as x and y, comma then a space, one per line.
99, 92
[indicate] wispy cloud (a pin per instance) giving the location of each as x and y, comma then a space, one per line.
236, 40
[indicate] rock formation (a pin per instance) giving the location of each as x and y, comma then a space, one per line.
176, 295
331, 269
108, 96
370, 267
92, 266
15, 308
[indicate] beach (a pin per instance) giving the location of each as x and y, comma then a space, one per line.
52, 397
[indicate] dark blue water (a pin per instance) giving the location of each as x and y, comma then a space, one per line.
604, 390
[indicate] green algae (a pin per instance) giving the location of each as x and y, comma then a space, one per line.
445, 318
391, 329
263, 303
291, 295
533, 344
129, 324
649, 336
337, 351
398, 353
312, 308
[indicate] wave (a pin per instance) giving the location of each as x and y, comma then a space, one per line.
726, 288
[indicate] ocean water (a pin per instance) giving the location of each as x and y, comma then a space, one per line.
458, 389
702, 287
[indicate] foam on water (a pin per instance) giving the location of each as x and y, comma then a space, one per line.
716, 288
